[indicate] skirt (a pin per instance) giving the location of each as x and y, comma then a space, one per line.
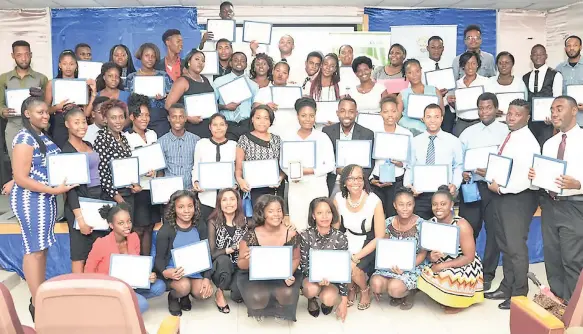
299, 198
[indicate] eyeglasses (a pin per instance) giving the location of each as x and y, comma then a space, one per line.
355, 179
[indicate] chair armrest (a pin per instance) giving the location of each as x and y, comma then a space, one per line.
170, 325
527, 317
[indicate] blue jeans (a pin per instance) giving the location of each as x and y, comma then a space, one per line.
156, 289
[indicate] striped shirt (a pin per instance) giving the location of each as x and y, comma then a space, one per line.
179, 155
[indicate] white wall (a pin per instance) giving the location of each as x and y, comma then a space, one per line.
561, 23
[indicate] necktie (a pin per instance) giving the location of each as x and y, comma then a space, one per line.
305, 82
560, 156
504, 143
218, 146
536, 81
437, 66
430, 158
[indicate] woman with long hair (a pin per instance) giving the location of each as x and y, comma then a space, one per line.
324, 86
261, 70
122, 57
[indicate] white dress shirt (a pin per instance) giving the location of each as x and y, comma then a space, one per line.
135, 141
325, 159
481, 135
479, 81
557, 83
399, 171
429, 65
521, 147
573, 155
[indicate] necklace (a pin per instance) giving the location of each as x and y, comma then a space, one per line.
357, 204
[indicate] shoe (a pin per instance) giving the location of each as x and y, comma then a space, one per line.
326, 309
223, 309
487, 285
395, 301
313, 307
31, 309
505, 305
496, 295
364, 306
174, 305
185, 304
408, 301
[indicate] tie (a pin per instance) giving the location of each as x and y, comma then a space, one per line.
504, 143
536, 81
437, 66
305, 82
560, 156
430, 159
218, 145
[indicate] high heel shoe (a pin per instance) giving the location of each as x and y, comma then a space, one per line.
31, 309
326, 309
223, 309
313, 307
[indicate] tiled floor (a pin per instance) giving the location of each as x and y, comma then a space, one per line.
425, 317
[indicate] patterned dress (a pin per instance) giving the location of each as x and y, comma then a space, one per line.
36, 212
454, 287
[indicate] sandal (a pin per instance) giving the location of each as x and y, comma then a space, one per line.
353, 291
408, 301
361, 306
313, 307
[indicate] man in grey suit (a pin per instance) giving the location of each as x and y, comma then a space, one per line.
346, 129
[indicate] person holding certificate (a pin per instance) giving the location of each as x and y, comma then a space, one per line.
401, 285
454, 281
261, 71
269, 298
109, 84
180, 228
320, 235
368, 93
121, 240
122, 57
227, 226
515, 204
324, 86
362, 220
505, 82
393, 70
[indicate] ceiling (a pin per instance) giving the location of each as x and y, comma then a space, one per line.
494, 4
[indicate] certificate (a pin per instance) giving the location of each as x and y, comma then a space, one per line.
221, 29
150, 158
295, 170
89, 69
373, 122
15, 98
356, 152
302, 151
135, 270
392, 253
203, 105
326, 112
261, 173
439, 237
347, 77
428, 178
541, 108
216, 175
475, 158
416, 104
235, 91
441, 79
395, 86
71, 168
547, 171
193, 258
392, 146
466, 99
267, 263
90, 211
499, 168
161, 188
211, 63
149, 85
259, 32
286, 96
125, 172
331, 265
504, 100
73, 90
576, 92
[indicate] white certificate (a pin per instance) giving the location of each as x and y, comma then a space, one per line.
475, 158
211, 63
467, 98
267, 263
221, 29
576, 92
348, 78
259, 32
193, 258
125, 172
392, 253
216, 175
149, 85
439, 237
203, 105
261, 173
373, 122
89, 69
331, 265
235, 91
353, 152
135, 270
90, 212
72, 168
302, 151
392, 146
428, 178
15, 98
547, 171
504, 100
286, 96
441, 79
295, 170
499, 168
73, 90
541, 108
326, 112
161, 188
150, 158
416, 104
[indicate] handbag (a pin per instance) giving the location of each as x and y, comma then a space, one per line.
387, 172
247, 205
471, 192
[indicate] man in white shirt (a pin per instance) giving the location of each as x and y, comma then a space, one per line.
487, 133
473, 41
312, 66
562, 213
286, 47
346, 55
515, 204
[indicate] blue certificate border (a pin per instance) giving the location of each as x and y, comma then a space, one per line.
385, 240
217, 69
290, 88
348, 260
536, 98
264, 185
84, 103
234, 29
19, 110
447, 167
149, 146
299, 141
476, 103
202, 94
562, 162
253, 278
112, 256
414, 95
442, 70
230, 82
378, 157
214, 163
446, 225
162, 178
53, 156
150, 76
369, 142
113, 174
505, 183
92, 200
208, 250
266, 23
475, 148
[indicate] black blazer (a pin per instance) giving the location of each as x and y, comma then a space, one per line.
358, 133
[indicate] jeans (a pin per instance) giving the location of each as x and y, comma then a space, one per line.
156, 289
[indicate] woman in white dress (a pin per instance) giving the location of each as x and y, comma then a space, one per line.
505, 82
363, 221
367, 94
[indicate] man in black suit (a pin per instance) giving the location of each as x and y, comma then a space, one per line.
346, 129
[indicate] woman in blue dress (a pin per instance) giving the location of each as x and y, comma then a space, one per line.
32, 200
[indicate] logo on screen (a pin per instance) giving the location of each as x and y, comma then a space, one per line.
422, 43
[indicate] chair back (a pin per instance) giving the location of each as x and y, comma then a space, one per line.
9, 322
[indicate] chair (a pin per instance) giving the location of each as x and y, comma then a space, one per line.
89, 304
9, 322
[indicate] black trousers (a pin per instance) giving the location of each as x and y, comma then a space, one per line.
236, 129
224, 276
513, 216
476, 213
562, 227
541, 131
423, 206
387, 196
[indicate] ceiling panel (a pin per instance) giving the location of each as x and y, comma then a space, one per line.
77, 3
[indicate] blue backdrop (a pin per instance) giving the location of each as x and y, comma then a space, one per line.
104, 28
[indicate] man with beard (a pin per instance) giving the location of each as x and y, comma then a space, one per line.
225, 51
172, 63
572, 69
473, 41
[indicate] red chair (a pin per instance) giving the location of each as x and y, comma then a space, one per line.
9, 322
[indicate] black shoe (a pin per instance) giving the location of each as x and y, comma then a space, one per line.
313, 307
496, 295
174, 305
505, 305
487, 285
31, 309
185, 303
327, 309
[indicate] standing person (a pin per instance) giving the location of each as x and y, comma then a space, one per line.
505, 81
572, 69
473, 41
261, 71
97, 119
83, 52
226, 12
122, 57
393, 70
171, 63
515, 205
109, 83
324, 86
562, 213
224, 49
286, 53
312, 66
346, 55
368, 93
